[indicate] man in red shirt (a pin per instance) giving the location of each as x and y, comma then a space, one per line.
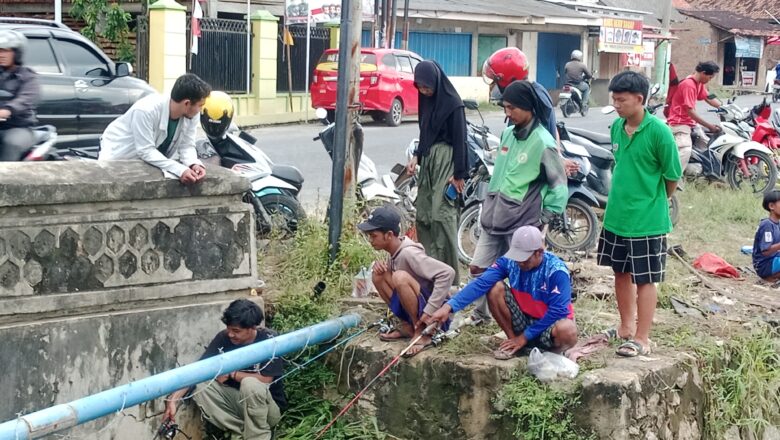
682, 110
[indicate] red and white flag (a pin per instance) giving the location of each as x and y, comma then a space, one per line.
197, 14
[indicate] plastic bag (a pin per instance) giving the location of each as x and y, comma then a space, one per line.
362, 286
549, 366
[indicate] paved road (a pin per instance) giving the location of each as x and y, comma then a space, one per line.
293, 145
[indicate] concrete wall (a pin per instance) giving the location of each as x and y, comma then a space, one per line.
110, 273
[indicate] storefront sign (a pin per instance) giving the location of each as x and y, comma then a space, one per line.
748, 78
644, 59
322, 11
620, 36
748, 47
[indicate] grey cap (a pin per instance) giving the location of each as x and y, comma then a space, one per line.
525, 241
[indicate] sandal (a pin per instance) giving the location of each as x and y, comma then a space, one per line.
393, 335
632, 348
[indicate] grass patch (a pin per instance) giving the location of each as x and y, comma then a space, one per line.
540, 411
742, 384
292, 269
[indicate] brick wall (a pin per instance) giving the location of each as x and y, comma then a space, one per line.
688, 50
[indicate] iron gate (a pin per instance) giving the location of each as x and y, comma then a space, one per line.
222, 54
320, 41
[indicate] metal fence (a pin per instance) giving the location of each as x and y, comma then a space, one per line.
222, 54
142, 47
319, 41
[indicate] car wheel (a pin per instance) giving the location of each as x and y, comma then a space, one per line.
331, 115
393, 117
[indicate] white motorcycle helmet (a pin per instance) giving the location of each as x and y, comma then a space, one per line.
576, 55
10, 39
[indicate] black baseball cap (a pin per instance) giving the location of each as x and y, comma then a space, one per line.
384, 218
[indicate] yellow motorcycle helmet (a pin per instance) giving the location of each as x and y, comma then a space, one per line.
216, 115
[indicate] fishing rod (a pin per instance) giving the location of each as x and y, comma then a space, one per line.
427, 332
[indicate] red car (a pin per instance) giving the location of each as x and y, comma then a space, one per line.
387, 89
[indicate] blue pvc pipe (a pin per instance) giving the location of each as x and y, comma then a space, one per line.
89, 408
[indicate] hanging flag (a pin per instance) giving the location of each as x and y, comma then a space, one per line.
197, 14
288, 38
774, 40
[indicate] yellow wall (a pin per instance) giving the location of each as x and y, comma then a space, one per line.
167, 44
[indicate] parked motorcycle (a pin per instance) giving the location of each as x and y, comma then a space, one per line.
370, 186
45, 138
276, 187
570, 101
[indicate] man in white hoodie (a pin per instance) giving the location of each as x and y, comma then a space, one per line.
413, 284
160, 130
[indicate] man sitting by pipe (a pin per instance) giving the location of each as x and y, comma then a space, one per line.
412, 283
535, 309
247, 403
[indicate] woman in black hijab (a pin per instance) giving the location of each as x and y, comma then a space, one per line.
441, 154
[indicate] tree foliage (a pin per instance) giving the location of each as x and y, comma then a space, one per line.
108, 21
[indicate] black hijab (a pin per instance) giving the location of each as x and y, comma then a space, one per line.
435, 110
522, 94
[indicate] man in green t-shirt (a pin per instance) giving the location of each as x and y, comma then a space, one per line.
633, 239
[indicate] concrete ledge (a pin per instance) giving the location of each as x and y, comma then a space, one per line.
65, 182
84, 234
436, 396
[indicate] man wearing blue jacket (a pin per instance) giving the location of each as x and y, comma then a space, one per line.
535, 309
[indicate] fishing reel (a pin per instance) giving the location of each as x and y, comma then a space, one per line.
168, 431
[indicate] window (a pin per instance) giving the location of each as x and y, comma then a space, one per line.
82, 60
389, 61
333, 57
40, 57
404, 64
415, 62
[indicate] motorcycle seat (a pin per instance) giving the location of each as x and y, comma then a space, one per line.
599, 152
288, 173
43, 133
597, 138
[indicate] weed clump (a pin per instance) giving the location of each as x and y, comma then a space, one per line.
741, 381
540, 411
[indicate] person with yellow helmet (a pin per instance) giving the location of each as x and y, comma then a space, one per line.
160, 130
216, 116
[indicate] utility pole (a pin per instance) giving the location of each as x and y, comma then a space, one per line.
393, 22
663, 52
405, 36
347, 95
58, 11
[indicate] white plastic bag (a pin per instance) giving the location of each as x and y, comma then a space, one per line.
362, 286
549, 366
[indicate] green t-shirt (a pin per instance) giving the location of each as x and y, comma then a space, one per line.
638, 205
172, 125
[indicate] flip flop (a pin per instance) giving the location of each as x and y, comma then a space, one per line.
424, 346
632, 348
386, 337
503, 355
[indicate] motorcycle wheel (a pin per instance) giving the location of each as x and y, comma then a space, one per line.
674, 209
577, 232
262, 220
762, 170
565, 109
469, 230
285, 211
